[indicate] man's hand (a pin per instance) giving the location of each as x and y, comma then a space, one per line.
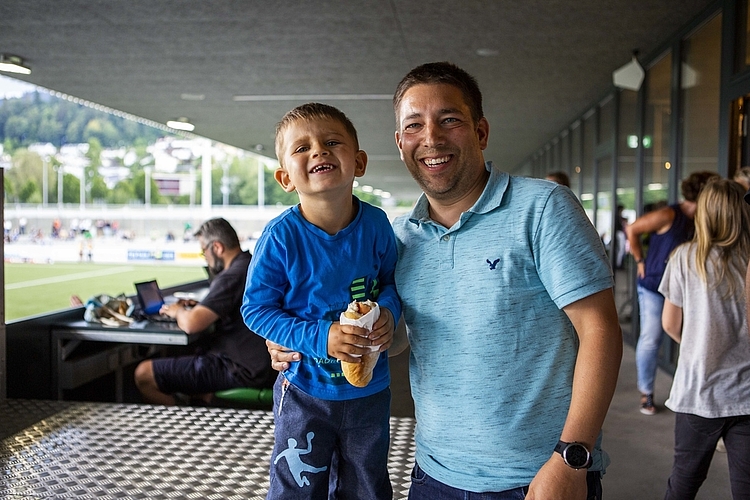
557, 481
383, 330
281, 357
171, 309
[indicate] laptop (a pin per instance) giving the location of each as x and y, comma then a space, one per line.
150, 299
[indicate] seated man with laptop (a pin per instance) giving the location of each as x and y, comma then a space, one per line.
233, 356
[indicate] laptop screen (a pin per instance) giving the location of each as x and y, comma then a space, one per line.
149, 296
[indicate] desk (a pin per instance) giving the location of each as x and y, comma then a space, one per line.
70, 371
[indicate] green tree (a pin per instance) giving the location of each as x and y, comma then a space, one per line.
50, 129
139, 189
103, 130
29, 193
71, 188
17, 129
94, 154
99, 189
122, 193
274, 194
24, 177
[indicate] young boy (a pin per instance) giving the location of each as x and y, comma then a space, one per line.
309, 264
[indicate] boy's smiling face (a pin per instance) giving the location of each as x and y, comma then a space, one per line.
319, 156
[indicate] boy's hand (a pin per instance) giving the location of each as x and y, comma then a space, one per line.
345, 340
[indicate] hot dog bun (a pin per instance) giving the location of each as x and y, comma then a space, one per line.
360, 374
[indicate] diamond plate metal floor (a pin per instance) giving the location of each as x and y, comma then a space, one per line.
108, 451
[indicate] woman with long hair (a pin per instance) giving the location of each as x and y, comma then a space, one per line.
667, 227
704, 311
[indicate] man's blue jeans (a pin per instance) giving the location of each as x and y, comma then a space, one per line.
647, 349
424, 487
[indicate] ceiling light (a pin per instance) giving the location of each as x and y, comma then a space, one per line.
487, 52
192, 97
13, 64
313, 97
181, 123
629, 76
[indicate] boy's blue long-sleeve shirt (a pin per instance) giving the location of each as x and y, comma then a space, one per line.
301, 279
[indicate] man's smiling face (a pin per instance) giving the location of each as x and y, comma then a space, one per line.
439, 142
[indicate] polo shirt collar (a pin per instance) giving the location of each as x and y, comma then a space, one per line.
491, 197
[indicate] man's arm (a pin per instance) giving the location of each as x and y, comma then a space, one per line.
596, 369
652, 222
193, 320
400, 339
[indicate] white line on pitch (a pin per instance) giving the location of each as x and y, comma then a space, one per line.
68, 277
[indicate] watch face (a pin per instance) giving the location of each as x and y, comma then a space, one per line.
576, 455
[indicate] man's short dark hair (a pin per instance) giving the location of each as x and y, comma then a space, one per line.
311, 111
220, 230
449, 74
560, 178
693, 184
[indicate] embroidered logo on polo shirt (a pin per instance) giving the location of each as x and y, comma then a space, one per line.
493, 264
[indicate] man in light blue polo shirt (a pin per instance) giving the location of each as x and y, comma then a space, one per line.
507, 297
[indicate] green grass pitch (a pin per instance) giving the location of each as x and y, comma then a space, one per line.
32, 289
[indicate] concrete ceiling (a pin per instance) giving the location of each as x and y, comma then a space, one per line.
549, 61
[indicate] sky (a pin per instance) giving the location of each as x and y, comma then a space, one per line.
10, 87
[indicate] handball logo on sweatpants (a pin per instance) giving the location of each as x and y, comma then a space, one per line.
296, 466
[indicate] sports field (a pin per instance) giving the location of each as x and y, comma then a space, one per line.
32, 289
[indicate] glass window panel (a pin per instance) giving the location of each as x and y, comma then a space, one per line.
604, 201
587, 168
550, 158
701, 69
656, 139
526, 169
565, 153
627, 144
606, 118
556, 155
575, 146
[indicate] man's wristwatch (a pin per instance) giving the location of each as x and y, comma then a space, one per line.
575, 455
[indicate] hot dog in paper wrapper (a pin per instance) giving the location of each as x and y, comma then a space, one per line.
362, 314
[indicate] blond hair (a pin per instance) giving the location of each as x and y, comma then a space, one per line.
722, 233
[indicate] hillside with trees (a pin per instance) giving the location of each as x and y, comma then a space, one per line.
41, 118
38, 118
